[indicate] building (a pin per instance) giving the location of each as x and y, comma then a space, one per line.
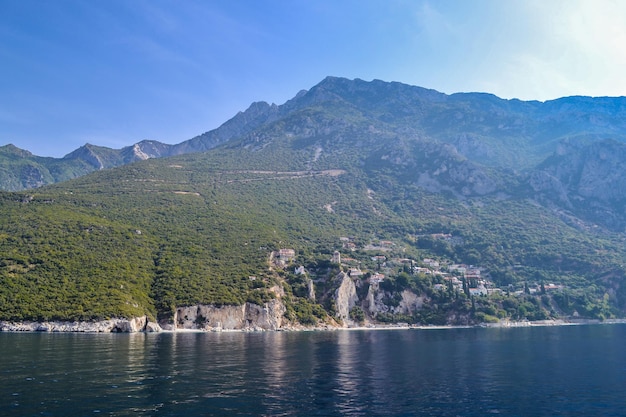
478, 291
377, 278
431, 263
350, 246
472, 273
461, 269
355, 272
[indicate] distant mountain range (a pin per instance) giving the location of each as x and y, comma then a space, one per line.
530, 192
20, 169
567, 153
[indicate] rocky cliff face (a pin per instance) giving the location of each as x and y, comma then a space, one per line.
377, 301
409, 303
310, 289
137, 324
345, 296
89, 154
249, 316
587, 179
436, 167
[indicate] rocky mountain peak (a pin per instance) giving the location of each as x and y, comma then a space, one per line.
87, 153
13, 150
471, 145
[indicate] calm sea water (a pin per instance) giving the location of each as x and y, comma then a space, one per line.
548, 371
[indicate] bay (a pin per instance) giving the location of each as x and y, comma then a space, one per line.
531, 371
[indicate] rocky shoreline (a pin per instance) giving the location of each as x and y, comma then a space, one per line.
137, 324
142, 324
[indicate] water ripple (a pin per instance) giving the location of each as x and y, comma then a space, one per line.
463, 372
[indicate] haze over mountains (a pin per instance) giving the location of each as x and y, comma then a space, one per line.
529, 193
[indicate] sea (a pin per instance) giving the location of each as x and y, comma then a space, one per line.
525, 371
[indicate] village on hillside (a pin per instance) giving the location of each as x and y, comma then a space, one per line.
381, 264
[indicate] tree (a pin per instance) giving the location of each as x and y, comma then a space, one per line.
465, 286
357, 314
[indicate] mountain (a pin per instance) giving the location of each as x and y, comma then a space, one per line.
586, 179
486, 137
21, 169
413, 187
483, 128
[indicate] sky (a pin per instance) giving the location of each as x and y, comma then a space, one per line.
115, 72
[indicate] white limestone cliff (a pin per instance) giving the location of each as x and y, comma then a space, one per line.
133, 325
249, 316
345, 296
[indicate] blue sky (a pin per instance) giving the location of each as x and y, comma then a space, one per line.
115, 72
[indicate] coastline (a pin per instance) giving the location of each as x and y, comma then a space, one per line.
143, 325
500, 325
118, 325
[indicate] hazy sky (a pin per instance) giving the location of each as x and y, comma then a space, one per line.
115, 72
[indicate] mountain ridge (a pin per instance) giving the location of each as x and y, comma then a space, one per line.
394, 179
463, 143
405, 105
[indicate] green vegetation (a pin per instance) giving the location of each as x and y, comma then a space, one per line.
199, 228
145, 238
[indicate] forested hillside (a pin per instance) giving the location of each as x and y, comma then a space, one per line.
371, 170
